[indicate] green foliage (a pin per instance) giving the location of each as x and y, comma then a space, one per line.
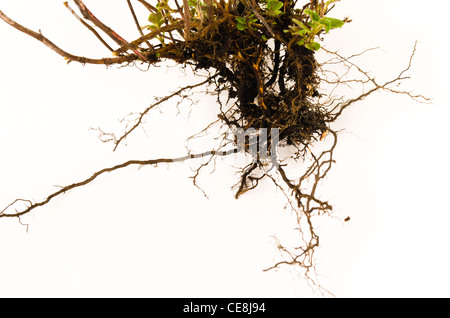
244, 22
163, 5
313, 46
307, 23
334, 23
312, 26
241, 23
197, 8
159, 18
156, 20
273, 7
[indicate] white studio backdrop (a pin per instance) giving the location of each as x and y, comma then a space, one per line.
150, 233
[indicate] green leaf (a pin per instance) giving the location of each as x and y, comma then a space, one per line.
274, 5
326, 24
301, 32
316, 26
241, 27
300, 23
334, 23
156, 19
241, 20
241, 23
313, 46
314, 15
301, 42
152, 18
252, 20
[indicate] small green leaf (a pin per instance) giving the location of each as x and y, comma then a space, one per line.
241, 20
300, 23
156, 19
316, 26
274, 5
313, 46
152, 18
241, 27
241, 23
314, 15
301, 32
264, 37
326, 24
301, 42
334, 23
297, 22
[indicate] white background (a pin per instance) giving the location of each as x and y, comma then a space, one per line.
151, 233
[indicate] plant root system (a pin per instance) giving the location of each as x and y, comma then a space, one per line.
260, 61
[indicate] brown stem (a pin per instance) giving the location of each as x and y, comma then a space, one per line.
87, 14
187, 20
136, 21
88, 26
68, 56
209, 11
148, 6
